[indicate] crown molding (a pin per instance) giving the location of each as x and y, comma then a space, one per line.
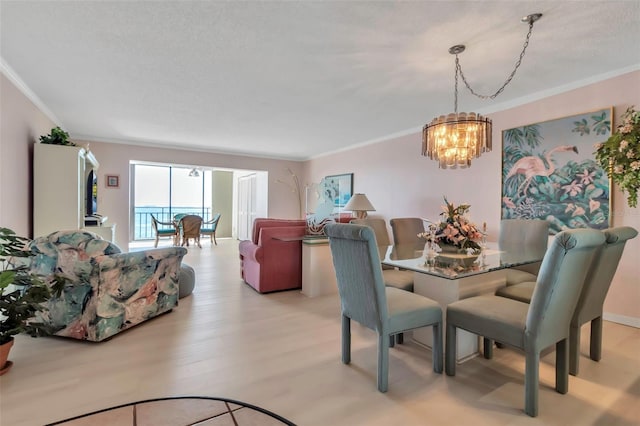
11, 75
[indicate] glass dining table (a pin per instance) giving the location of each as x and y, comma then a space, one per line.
449, 277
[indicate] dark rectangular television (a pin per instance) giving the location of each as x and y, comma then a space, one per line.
91, 197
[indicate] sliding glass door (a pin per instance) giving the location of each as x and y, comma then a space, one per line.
164, 191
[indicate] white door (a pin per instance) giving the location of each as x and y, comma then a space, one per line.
246, 205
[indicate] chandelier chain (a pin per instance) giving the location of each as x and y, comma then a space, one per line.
507, 81
455, 102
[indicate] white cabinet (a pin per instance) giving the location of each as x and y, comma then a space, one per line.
107, 232
60, 175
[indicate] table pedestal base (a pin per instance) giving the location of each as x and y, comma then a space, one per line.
445, 291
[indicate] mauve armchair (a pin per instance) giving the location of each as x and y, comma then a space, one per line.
272, 259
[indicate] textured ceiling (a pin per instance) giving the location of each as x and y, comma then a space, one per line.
292, 79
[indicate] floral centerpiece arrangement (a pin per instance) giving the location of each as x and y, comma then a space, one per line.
454, 229
620, 155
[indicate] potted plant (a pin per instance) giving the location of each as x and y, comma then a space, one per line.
620, 155
57, 137
21, 294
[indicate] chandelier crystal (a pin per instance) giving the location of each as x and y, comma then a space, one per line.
455, 139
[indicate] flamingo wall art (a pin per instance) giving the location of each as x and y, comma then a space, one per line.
549, 172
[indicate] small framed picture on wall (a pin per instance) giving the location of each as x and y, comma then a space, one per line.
113, 181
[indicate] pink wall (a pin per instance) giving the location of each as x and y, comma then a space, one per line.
21, 124
400, 182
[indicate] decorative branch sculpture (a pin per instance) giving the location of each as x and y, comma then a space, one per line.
294, 185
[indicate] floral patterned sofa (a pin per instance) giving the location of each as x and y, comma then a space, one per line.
107, 291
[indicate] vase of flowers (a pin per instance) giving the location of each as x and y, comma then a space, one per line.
620, 155
454, 233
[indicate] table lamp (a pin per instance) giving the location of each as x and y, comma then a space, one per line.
360, 205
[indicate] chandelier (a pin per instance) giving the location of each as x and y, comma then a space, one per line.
455, 139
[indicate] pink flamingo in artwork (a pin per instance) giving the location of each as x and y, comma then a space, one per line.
533, 166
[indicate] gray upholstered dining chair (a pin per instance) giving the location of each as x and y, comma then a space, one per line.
405, 230
532, 234
364, 297
594, 291
392, 277
536, 326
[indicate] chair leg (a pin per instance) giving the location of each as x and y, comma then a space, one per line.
400, 338
436, 350
214, 238
392, 341
595, 348
487, 346
156, 244
562, 364
531, 375
574, 349
346, 339
383, 362
450, 350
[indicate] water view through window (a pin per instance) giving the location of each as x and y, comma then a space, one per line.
165, 191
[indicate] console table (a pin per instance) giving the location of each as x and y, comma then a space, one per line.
318, 274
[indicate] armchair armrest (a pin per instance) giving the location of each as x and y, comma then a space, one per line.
172, 223
214, 219
255, 252
250, 251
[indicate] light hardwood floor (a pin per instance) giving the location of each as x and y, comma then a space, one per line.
282, 352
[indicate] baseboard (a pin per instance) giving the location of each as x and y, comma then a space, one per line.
622, 319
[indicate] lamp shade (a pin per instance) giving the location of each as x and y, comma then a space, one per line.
360, 204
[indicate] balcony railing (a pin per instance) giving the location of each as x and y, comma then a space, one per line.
142, 218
